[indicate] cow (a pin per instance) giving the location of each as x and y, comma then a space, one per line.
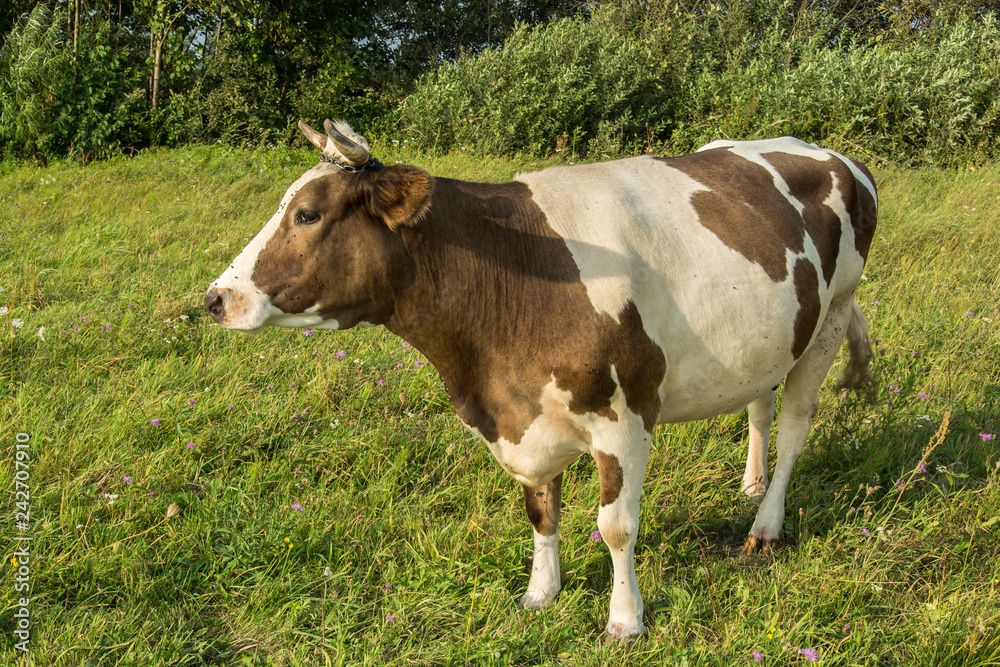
574, 309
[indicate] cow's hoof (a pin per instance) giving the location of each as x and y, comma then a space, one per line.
758, 545
537, 599
626, 632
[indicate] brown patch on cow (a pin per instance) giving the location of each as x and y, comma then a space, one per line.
807, 292
811, 182
543, 506
864, 211
743, 208
609, 472
496, 303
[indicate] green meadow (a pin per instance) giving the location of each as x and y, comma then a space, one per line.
201, 497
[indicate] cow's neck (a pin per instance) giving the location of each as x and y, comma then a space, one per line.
491, 285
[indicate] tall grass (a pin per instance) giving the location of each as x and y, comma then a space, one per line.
312, 500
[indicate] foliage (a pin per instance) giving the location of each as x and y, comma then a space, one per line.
629, 80
584, 80
165, 544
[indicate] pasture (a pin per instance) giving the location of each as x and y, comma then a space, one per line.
203, 497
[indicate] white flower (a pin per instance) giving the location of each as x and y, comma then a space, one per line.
41, 333
3, 310
17, 323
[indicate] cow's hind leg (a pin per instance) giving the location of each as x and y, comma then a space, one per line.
798, 405
542, 505
760, 413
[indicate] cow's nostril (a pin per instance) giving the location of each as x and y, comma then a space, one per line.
215, 305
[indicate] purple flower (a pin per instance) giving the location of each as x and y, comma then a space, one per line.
388, 587
190, 445
154, 421
894, 390
296, 507
295, 416
417, 364
864, 531
127, 479
923, 396
381, 382
899, 483
405, 344
340, 354
986, 437
307, 332
970, 313
270, 387
810, 654
758, 656
921, 468
193, 402
152, 494
596, 536
390, 618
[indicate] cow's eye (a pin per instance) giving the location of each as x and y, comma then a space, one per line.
307, 217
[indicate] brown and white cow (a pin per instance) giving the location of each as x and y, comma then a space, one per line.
574, 309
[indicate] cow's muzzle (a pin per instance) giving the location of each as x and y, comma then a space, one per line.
215, 304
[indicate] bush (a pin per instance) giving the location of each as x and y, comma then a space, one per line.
627, 81
584, 81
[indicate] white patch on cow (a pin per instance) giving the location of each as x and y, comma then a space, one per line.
545, 581
247, 308
551, 442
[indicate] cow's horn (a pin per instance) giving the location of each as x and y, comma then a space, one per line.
355, 153
318, 139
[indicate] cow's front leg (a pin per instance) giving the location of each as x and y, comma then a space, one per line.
542, 505
621, 478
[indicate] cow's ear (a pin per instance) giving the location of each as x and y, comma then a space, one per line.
400, 195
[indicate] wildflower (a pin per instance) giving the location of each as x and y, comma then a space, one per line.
152, 494
3, 310
596, 536
864, 531
307, 332
192, 401
810, 654
921, 468
17, 323
969, 313
190, 445
390, 618
154, 421
388, 587
405, 344
894, 390
295, 416
758, 656
340, 354
899, 483
270, 387
127, 479
381, 382
296, 507
923, 396
417, 364
986, 437
41, 333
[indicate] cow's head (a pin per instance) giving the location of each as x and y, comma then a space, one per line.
330, 255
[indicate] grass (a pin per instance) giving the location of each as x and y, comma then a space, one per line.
298, 506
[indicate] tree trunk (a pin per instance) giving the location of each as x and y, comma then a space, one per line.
157, 63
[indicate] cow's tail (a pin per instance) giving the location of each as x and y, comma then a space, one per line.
857, 373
